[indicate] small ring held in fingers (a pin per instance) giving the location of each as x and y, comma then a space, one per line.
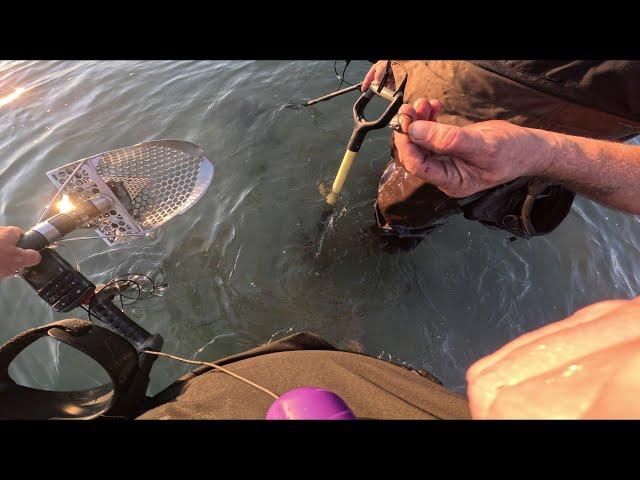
396, 125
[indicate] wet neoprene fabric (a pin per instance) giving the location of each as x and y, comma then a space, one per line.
590, 99
607, 85
373, 388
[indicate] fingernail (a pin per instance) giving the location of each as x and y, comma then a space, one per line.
418, 130
435, 109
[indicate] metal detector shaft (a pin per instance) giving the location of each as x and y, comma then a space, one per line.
341, 176
334, 94
56, 227
109, 314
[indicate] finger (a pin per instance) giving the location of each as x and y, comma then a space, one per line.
618, 398
403, 143
436, 107
433, 169
581, 316
408, 152
6, 273
616, 326
406, 115
423, 108
380, 70
366, 83
20, 259
27, 258
565, 392
10, 234
442, 138
437, 170
408, 110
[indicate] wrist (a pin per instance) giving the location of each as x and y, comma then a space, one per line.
549, 147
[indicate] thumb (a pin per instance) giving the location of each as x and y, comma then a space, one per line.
441, 138
618, 397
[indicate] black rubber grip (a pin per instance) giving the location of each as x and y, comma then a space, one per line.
64, 223
357, 137
33, 240
108, 313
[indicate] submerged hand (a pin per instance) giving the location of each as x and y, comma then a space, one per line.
376, 73
461, 161
12, 258
586, 366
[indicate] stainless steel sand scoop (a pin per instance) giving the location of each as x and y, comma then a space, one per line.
149, 184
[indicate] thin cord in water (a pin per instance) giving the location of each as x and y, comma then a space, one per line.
75, 257
218, 367
130, 279
99, 238
341, 77
123, 281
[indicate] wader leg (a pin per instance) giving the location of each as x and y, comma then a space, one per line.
407, 208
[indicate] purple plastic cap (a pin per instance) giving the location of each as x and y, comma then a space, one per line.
309, 403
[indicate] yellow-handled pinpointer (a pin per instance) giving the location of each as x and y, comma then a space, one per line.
362, 127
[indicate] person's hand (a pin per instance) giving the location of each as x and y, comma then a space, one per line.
376, 73
12, 258
586, 366
461, 161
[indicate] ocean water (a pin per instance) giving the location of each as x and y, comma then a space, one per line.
245, 265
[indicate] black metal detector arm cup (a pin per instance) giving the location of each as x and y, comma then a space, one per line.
123, 398
108, 313
122, 352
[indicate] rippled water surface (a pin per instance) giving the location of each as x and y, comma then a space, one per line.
245, 266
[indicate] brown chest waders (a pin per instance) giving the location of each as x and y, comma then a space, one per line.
408, 207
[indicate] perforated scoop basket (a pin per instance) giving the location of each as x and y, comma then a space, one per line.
149, 184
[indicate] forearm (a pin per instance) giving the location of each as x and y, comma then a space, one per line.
605, 171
